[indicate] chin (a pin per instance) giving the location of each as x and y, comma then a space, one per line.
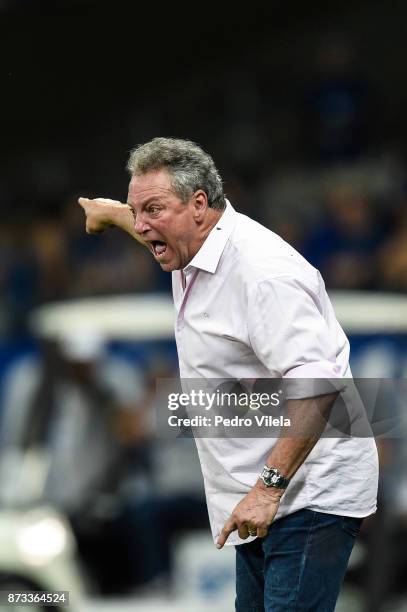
168, 267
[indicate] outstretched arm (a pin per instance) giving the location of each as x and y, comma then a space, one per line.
102, 213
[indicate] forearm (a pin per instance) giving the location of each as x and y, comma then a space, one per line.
257, 510
121, 216
308, 419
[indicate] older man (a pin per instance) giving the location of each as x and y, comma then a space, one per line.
250, 307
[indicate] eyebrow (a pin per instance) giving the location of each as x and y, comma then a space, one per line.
148, 201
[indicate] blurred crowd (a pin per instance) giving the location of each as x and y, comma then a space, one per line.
318, 171
355, 238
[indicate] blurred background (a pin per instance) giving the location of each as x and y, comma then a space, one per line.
302, 107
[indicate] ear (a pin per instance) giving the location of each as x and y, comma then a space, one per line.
200, 204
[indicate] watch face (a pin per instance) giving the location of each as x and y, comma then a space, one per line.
272, 478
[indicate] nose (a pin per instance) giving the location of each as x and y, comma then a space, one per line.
140, 225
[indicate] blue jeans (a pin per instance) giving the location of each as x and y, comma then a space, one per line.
299, 565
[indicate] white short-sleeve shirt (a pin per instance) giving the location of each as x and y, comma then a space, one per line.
250, 306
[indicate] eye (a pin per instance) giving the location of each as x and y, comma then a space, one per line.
153, 210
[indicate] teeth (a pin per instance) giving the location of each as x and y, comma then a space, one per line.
160, 248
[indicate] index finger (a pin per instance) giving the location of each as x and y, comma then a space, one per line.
229, 526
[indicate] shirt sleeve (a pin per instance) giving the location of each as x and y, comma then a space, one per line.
288, 331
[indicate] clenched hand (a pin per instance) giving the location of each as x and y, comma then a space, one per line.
97, 213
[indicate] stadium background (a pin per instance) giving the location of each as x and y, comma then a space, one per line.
303, 109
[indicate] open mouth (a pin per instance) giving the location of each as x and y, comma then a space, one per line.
159, 247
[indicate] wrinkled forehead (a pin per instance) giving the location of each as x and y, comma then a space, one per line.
156, 183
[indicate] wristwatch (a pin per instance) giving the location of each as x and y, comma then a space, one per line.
272, 478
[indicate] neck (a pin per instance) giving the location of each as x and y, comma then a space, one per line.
211, 218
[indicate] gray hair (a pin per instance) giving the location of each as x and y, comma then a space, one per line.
189, 167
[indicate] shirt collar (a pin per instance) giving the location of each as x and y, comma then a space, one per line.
209, 254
